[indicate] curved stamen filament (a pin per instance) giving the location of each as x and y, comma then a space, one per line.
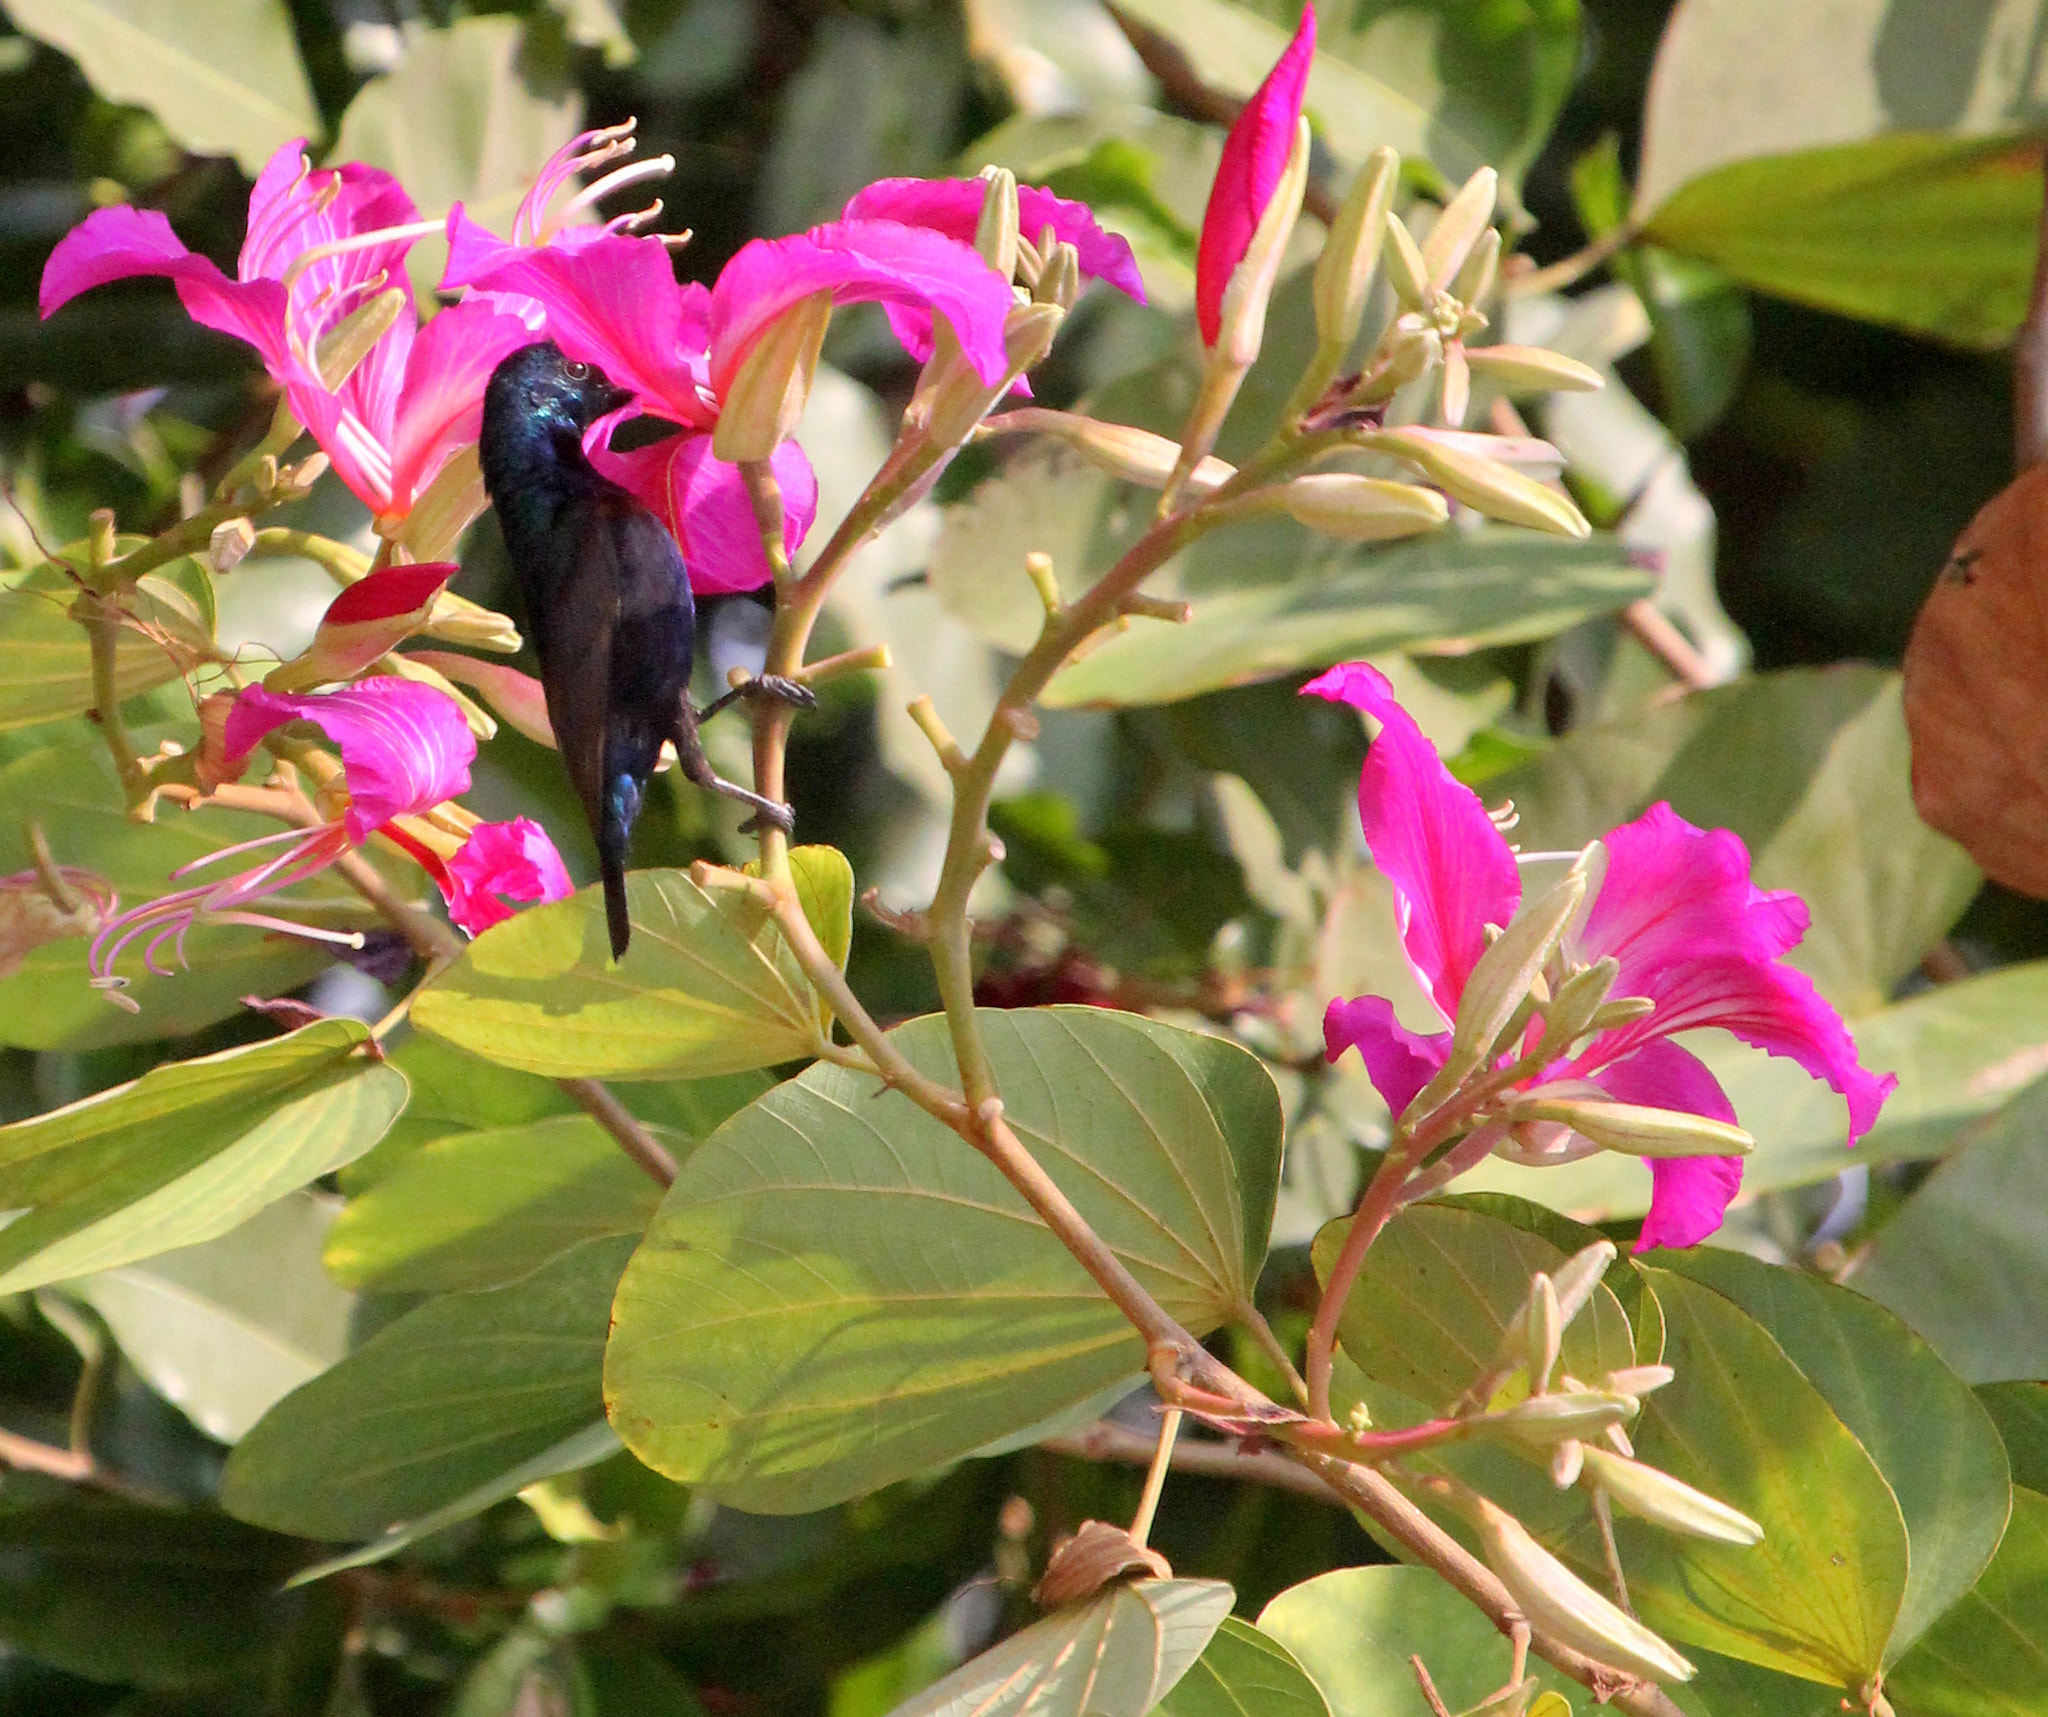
359, 241
656, 167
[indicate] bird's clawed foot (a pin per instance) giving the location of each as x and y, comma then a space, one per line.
772, 686
767, 812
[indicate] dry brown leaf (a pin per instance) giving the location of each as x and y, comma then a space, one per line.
1976, 693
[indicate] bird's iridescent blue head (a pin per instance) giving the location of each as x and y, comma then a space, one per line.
539, 389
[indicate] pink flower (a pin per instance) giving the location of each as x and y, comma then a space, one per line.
953, 207
405, 751
1676, 909
319, 246
614, 301
1254, 157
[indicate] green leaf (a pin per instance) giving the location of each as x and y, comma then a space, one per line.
1116, 1656
1809, 767
1919, 230
174, 60
1291, 602
186, 1152
1438, 1290
580, 1449
458, 122
1231, 48
463, 1391
473, 1210
1959, 1051
1929, 1437
1354, 1630
1965, 1262
1742, 1423
1752, 77
1988, 1657
165, 1598
46, 659
786, 1373
707, 987
1244, 1673
2020, 1411
225, 1330
1699, 335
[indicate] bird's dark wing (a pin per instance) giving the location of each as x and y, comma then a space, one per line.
572, 631
653, 634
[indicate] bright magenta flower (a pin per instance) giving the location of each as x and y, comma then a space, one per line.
405, 752
953, 207
614, 301
1676, 909
320, 244
1254, 157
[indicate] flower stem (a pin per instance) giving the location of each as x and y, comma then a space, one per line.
101, 617
1155, 1478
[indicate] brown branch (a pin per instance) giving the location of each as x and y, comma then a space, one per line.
595, 1099
1653, 629
2030, 360
1106, 1441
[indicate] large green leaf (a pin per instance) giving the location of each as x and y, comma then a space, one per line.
1438, 1290
838, 1292
1117, 1655
1819, 1596
1966, 1261
1271, 598
475, 1209
1809, 767
1354, 1631
1988, 1657
2020, 1411
224, 78
1920, 230
452, 1396
186, 1152
1930, 1438
166, 1598
1740, 78
1244, 1673
225, 1330
1959, 1051
708, 986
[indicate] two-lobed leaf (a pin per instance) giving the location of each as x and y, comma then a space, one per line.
838, 1292
1244, 1673
186, 1152
1988, 1656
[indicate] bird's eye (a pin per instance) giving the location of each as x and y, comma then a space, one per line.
578, 372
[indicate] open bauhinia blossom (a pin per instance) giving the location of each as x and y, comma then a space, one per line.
1253, 164
322, 246
953, 207
405, 754
613, 301
1675, 909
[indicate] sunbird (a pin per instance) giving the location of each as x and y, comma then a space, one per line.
608, 603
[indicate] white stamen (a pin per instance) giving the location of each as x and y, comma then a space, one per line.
359, 241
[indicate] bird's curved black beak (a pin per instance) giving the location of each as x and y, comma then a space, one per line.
611, 397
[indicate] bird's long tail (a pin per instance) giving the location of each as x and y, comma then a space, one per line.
621, 810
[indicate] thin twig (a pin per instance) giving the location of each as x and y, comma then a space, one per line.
1107, 1441
595, 1098
2030, 361
1653, 629
1155, 1477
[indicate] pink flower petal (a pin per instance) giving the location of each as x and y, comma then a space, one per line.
1400, 1062
859, 262
1452, 872
1688, 1194
1254, 156
440, 404
502, 861
707, 510
613, 302
953, 207
404, 746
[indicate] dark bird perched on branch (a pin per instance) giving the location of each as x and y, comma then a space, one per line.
608, 601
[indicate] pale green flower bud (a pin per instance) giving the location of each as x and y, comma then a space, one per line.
1566, 1461
1501, 981
1475, 279
1638, 1380
1545, 1331
1545, 1420
1059, 281
959, 400
1573, 1009
1579, 1275
348, 342
1362, 509
1407, 274
767, 395
1655, 1496
1343, 279
995, 234
1486, 486
1241, 327
1557, 1602
1457, 229
1621, 1011
1531, 369
1135, 455
1457, 384
1635, 1130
